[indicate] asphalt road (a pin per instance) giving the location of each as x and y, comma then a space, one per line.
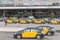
9, 36
2, 24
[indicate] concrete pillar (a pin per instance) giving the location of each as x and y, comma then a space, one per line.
31, 12
25, 11
3, 13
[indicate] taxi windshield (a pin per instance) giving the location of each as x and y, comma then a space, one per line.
32, 30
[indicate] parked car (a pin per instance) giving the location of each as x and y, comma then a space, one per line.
29, 33
54, 21
16, 21
37, 21
9, 21
29, 20
23, 21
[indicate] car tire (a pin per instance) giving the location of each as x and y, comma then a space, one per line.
18, 37
15, 36
42, 36
49, 33
52, 33
38, 36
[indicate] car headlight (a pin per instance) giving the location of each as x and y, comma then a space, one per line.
42, 32
53, 29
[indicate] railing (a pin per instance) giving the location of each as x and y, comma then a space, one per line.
12, 5
22, 5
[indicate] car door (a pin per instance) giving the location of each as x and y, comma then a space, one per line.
26, 33
30, 33
33, 33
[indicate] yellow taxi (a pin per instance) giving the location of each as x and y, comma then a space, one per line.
16, 21
54, 22
47, 30
38, 22
23, 21
44, 29
9, 21
29, 33
29, 21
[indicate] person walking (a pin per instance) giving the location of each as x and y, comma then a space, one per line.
5, 23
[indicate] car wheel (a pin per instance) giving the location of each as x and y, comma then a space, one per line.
38, 36
18, 36
15, 37
52, 33
49, 33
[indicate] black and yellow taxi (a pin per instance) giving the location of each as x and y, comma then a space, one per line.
47, 20
16, 21
22, 21
43, 21
29, 33
55, 21
50, 31
37, 21
29, 20
9, 21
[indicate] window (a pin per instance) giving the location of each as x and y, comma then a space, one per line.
44, 27
11, 0
30, 0
1, 0
40, 27
21, 0
34, 30
7, 0
31, 4
27, 30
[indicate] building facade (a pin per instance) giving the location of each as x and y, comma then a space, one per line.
28, 2
36, 8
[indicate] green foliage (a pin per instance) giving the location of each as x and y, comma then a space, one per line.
20, 13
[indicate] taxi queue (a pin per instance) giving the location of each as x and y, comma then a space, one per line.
34, 21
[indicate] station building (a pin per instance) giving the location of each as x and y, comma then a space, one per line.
36, 8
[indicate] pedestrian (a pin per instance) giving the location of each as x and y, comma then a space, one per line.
5, 23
